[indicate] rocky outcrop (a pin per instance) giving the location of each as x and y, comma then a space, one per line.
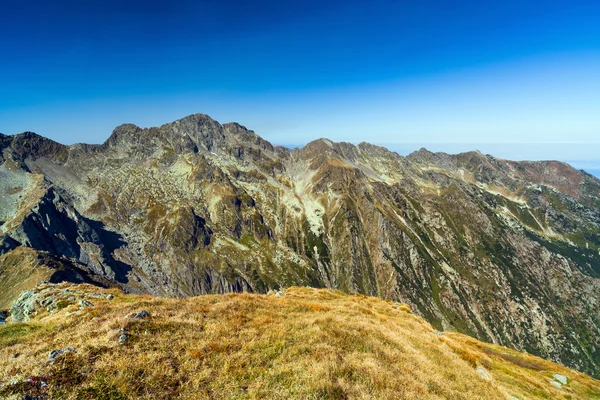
506, 251
54, 226
23, 306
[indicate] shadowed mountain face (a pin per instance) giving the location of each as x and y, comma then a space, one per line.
508, 252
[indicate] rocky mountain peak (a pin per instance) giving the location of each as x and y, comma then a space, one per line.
321, 150
30, 145
247, 137
122, 134
379, 150
189, 134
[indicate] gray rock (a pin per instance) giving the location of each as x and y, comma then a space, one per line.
84, 304
482, 372
560, 378
23, 306
123, 336
141, 315
55, 354
47, 302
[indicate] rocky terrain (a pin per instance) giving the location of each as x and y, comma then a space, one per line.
507, 252
83, 342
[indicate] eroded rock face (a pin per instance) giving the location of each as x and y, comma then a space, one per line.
23, 306
505, 251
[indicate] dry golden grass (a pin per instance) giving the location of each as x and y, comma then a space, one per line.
308, 344
20, 270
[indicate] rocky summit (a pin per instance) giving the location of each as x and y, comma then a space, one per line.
505, 251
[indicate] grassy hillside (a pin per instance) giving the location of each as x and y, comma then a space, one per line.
20, 269
305, 344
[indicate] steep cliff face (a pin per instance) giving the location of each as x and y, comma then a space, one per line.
506, 251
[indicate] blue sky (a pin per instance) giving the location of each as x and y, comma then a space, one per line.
385, 71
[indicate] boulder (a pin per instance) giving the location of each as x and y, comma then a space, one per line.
560, 378
24, 306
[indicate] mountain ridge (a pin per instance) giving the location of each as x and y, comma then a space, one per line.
506, 251
127, 127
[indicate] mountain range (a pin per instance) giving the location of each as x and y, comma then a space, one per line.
505, 251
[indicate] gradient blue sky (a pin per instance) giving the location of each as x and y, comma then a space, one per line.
390, 72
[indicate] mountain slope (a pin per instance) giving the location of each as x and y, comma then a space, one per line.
299, 343
508, 252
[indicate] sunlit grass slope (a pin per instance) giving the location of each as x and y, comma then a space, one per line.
304, 344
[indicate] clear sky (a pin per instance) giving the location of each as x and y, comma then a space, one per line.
384, 71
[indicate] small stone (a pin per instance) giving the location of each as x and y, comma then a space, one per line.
279, 293
110, 297
556, 384
123, 338
55, 354
47, 302
141, 315
483, 373
84, 304
561, 378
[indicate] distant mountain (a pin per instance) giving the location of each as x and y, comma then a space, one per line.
508, 252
